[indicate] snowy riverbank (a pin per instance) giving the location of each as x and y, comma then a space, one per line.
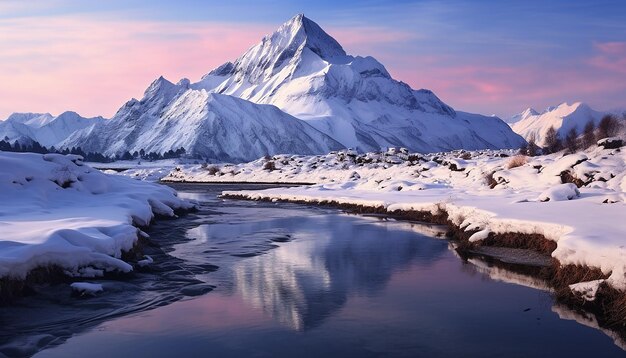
58, 212
482, 192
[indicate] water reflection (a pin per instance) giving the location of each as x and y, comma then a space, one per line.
305, 281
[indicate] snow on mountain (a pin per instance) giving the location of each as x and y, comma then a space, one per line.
528, 112
296, 92
306, 73
562, 117
226, 128
46, 129
31, 119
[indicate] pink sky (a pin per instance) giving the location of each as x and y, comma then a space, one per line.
93, 66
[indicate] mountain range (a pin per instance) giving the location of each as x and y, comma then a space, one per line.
532, 124
44, 128
297, 91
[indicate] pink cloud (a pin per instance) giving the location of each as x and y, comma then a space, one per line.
489, 85
613, 48
93, 66
610, 56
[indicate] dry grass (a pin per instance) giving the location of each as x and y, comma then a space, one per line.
516, 240
517, 161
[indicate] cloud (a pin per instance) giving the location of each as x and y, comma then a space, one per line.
502, 87
94, 66
610, 56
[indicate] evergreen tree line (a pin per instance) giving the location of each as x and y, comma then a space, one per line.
36, 147
609, 126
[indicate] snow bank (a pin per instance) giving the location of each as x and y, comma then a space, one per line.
86, 288
588, 230
567, 191
59, 212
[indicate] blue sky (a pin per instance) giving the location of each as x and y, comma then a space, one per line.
483, 56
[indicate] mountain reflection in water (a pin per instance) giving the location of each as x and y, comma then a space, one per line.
301, 269
302, 283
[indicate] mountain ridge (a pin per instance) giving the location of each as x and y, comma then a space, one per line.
562, 117
312, 86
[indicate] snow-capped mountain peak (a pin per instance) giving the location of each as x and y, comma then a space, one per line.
565, 108
160, 86
280, 48
36, 120
302, 31
562, 117
529, 112
305, 72
46, 129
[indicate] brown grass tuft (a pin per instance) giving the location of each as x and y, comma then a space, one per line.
517, 161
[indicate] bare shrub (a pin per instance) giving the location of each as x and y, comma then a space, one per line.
269, 165
517, 161
213, 170
608, 127
530, 149
553, 142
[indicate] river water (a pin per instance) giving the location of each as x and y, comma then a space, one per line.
251, 279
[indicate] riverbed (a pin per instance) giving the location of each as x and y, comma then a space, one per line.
241, 278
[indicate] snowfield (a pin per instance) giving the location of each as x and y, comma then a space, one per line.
59, 212
483, 192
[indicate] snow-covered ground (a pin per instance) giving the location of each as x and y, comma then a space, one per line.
56, 211
482, 190
140, 169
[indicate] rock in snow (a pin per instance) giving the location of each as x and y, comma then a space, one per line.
342, 100
567, 191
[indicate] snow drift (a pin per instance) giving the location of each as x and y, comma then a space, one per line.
58, 212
